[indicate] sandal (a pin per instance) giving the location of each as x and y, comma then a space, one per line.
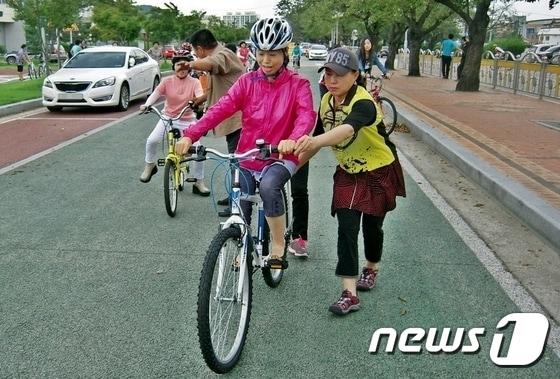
277, 263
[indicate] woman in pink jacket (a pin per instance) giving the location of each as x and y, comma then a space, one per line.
276, 106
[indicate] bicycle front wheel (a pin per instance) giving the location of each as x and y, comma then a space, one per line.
389, 114
223, 316
170, 190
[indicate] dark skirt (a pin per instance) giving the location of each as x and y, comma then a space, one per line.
371, 192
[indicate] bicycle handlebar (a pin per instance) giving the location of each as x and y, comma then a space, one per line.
264, 149
152, 109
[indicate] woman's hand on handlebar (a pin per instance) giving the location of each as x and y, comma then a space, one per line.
182, 146
286, 146
143, 108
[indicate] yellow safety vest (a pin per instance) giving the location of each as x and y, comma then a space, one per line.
365, 151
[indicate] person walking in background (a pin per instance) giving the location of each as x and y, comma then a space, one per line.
76, 48
156, 52
448, 46
465, 44
224, 68
22, 58
296, 56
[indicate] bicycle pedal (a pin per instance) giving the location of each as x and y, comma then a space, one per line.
190, 180
161, 162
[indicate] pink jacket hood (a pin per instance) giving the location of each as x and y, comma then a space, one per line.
273, 111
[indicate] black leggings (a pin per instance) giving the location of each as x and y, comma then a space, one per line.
300, 202
347, 247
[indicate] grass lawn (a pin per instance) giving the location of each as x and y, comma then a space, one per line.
15, 91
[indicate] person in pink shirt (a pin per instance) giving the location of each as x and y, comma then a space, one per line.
276, 105
243, 53
178, 90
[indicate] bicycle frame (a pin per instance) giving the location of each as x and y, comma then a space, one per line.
374, 86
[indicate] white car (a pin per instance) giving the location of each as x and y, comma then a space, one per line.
317, 52
100, 77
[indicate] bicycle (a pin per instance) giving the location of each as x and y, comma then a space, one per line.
32, 71
235, 254
175, 166
296, 59
44, 69
373, 86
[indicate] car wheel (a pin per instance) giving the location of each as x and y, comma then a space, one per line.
11, 60
54, 109
156, 83
124, 98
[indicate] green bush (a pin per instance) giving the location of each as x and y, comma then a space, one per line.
513, 43
2, 49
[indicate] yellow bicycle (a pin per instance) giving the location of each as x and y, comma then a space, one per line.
176, 167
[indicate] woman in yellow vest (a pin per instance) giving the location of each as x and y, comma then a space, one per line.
368, 176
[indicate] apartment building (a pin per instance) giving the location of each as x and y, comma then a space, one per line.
239, 19
12, 33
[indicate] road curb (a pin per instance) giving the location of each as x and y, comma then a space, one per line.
524, 203
22, 106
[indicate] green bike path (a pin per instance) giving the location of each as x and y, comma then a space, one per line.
97, 281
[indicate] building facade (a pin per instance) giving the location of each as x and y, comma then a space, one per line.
240, 20
12, 33
534, 28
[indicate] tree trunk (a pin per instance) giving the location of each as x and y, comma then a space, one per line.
415, 43
394, 41
470, 77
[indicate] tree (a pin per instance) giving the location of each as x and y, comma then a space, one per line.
478, 26
49, 15
117, 20
422, 17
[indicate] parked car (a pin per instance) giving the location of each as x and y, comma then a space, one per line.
548, 53
100, 77
537, 49
317, 52
169, 51
555, 58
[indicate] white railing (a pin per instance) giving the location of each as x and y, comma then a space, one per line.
526, 74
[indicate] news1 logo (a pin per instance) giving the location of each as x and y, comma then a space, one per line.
526, 346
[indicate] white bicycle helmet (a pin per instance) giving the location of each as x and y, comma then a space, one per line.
273, 33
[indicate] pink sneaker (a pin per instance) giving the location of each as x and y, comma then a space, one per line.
345, 304
366, 280
298, 247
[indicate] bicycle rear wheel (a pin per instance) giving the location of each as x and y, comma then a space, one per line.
170, 190
223, 317
389, 114
273, 277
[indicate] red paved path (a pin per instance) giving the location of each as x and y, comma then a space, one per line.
497, 126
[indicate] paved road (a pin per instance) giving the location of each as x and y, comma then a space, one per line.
96, 280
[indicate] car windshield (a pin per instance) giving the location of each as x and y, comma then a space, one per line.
101, 59
318, 47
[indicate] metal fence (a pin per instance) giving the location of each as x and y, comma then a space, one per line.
519, 75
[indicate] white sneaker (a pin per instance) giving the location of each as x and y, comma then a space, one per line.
200, 188
149, 170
